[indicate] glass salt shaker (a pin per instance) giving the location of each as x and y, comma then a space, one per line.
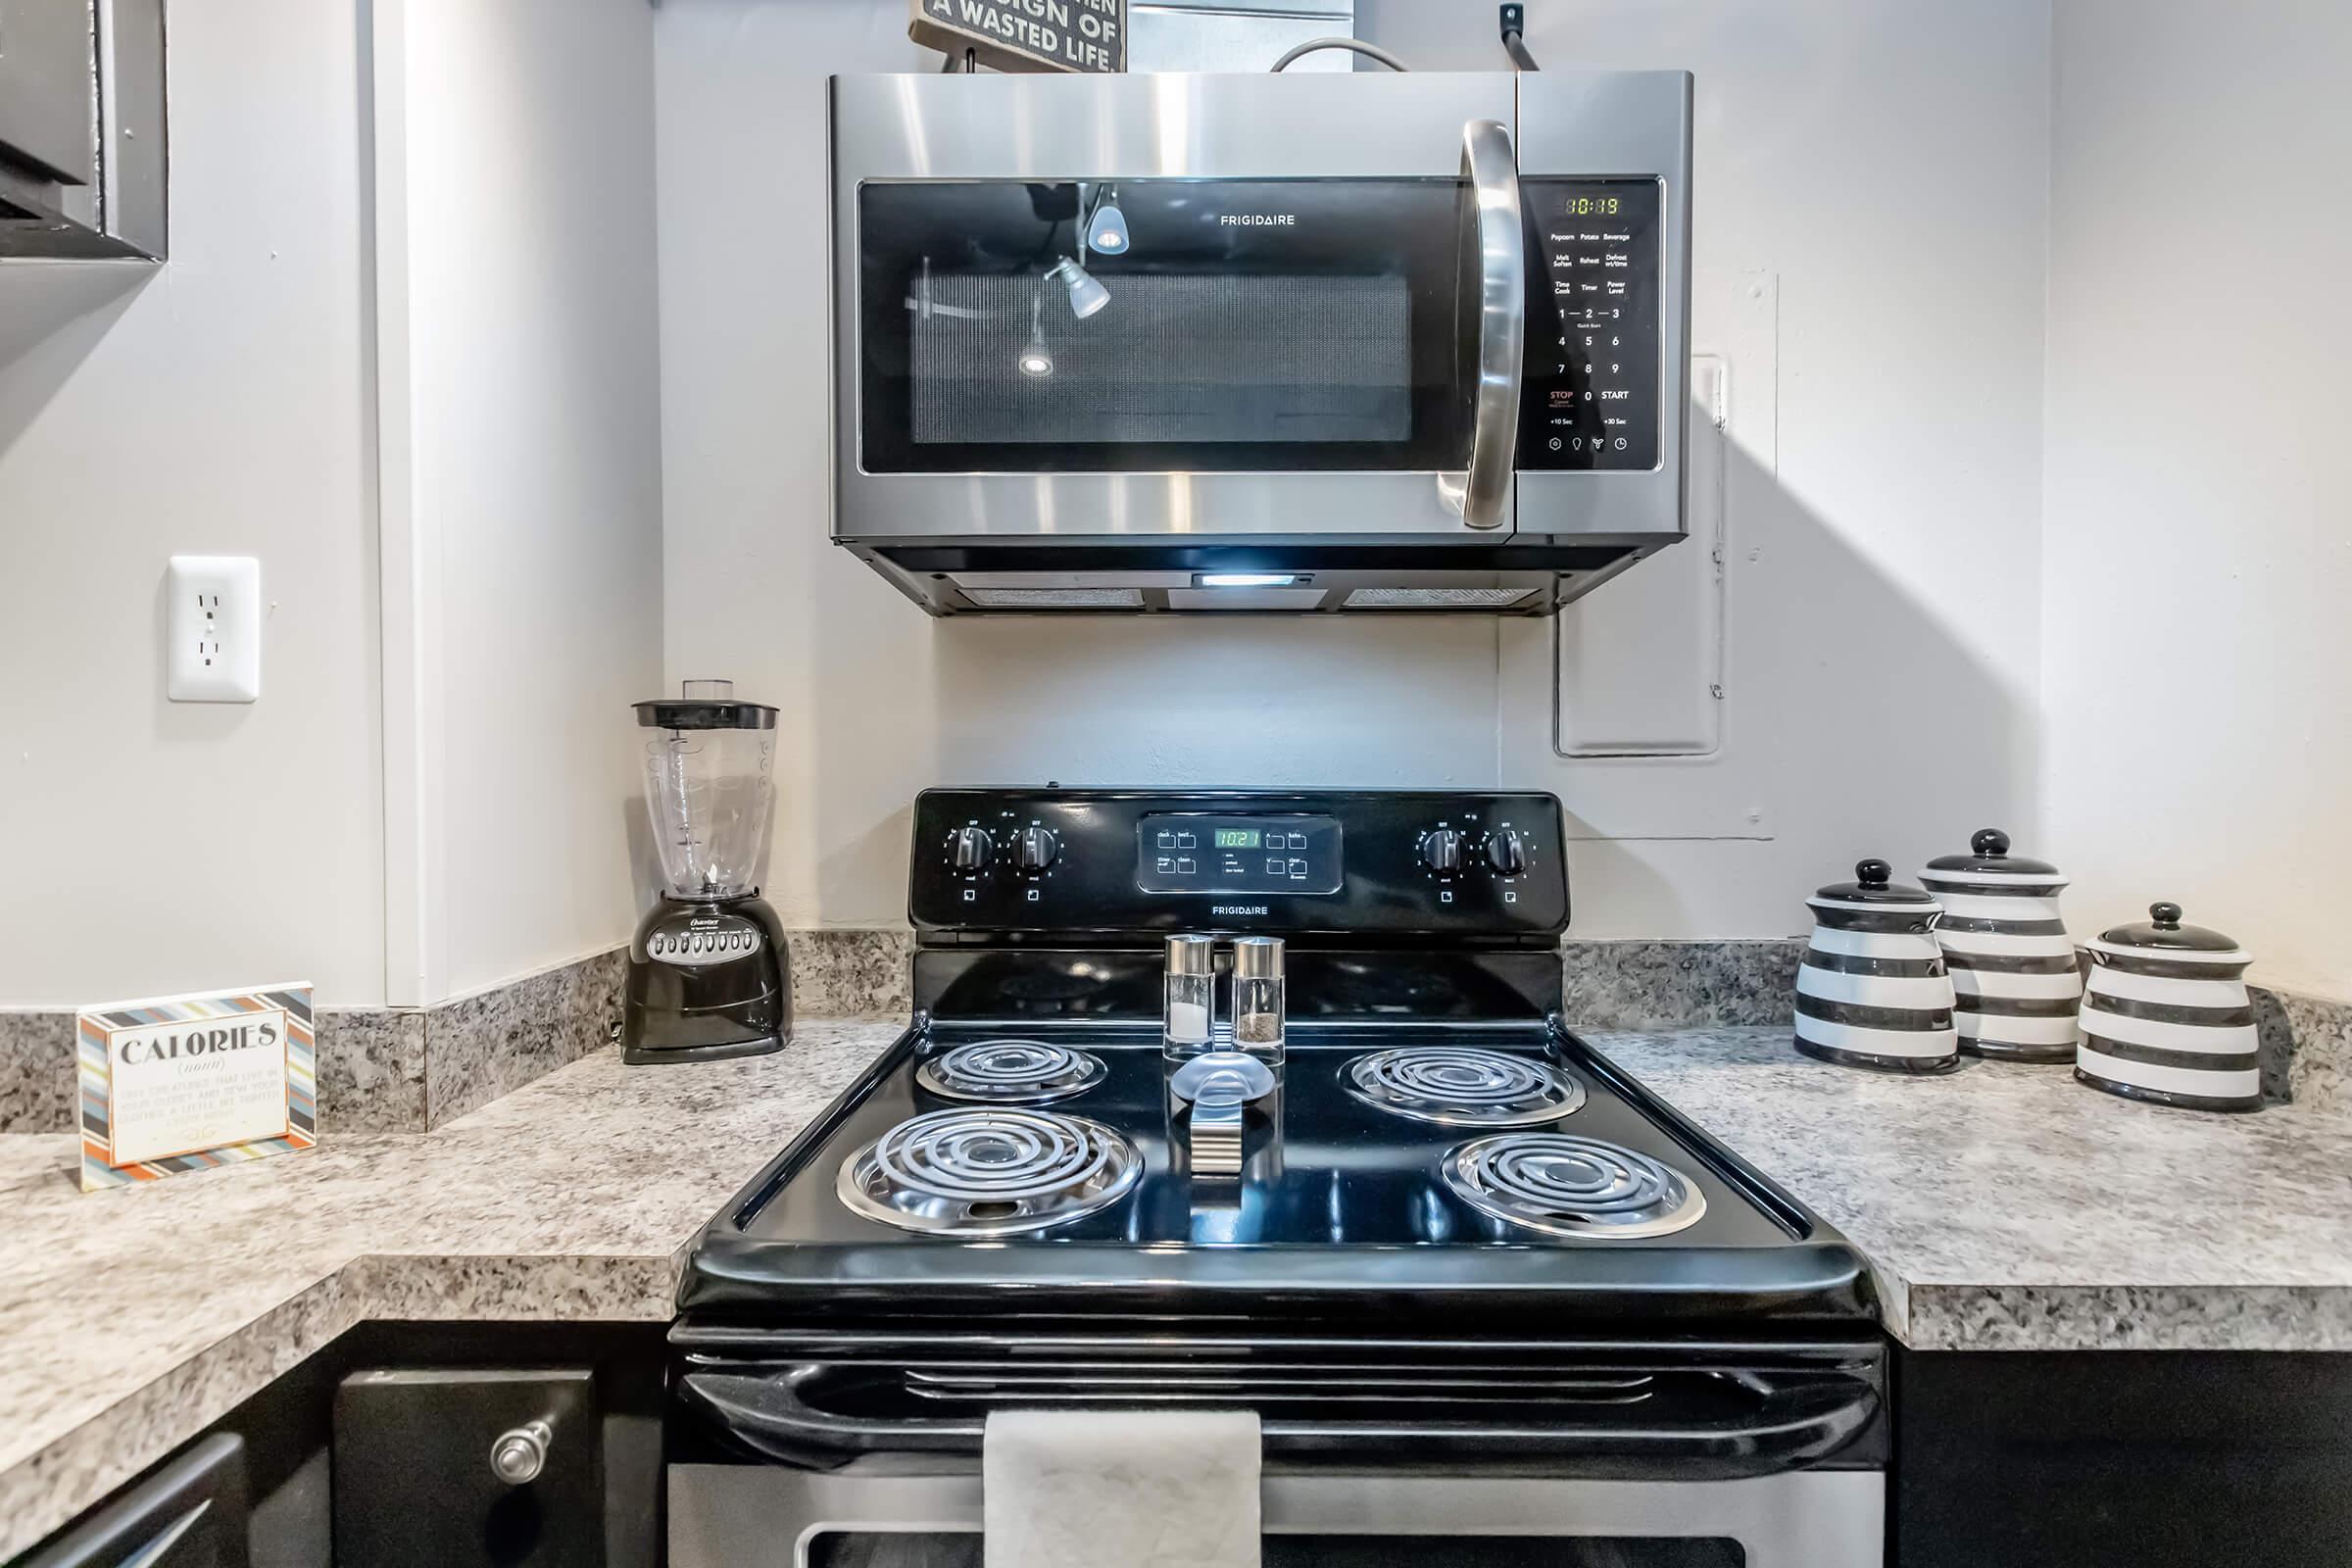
1189, 1008
1257, 998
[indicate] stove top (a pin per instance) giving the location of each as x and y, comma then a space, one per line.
1438, 1148
909, 1197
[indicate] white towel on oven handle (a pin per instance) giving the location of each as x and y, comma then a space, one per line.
1121, 1489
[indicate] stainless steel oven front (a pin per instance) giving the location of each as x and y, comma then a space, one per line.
1353, 311
819, 1453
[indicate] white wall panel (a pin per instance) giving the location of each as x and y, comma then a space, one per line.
2200, 668
215, 405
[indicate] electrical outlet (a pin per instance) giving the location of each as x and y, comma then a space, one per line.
215, 650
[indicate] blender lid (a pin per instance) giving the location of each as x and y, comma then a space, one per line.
705, 704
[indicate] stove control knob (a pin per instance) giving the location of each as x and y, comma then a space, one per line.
1442, 851
1506, 852
968, 848
1036, 848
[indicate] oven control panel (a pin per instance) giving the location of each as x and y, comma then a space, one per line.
1238, 852
1090, 863
1590, 398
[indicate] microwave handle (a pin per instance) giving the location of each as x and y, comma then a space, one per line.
1491, 169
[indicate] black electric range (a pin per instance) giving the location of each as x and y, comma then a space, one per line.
1448, 1198
1424, 994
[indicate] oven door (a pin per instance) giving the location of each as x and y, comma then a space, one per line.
841, 1450
926, 1514
1168, 307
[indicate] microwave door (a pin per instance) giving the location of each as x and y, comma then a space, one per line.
1301, 317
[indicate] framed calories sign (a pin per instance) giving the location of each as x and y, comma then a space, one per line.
185, 1083
1081, 35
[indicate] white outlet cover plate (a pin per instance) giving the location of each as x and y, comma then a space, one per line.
212, 653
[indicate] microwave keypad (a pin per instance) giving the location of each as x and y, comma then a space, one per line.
1590, 398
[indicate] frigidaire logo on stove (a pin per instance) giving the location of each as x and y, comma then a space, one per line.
1259, 220
1237, 909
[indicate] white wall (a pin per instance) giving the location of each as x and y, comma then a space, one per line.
1879, 170
522, 497
214, 405
2199, 548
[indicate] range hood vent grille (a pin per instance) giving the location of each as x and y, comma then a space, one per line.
1055, 597
1438, 598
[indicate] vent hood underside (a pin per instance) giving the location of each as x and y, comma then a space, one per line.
1202, 578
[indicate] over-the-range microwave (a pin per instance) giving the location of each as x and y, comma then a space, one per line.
1347, 342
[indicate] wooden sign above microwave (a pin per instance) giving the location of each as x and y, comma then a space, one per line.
1080, 35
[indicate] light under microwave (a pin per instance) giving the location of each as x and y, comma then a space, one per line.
1349, 341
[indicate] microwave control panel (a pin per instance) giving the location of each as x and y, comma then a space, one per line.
1590, 400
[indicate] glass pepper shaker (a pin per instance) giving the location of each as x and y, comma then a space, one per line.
1257, 998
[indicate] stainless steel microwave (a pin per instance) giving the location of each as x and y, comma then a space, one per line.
1349, 341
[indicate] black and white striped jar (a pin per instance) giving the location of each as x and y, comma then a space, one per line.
2018, 989
2167, 1017
1873, 989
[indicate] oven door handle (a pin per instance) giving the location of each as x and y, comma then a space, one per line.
1491, 169
1794, 1424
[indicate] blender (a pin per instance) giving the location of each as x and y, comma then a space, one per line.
707, 972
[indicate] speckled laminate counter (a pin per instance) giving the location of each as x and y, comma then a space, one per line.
2001, 1208
571, 1199
2009, 1208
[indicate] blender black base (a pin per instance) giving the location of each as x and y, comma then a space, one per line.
709, 979
650, 1055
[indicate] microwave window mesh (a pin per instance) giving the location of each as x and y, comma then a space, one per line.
1172, 357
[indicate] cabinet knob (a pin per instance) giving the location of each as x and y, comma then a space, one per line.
520, 1455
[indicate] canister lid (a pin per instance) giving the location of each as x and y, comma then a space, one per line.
1989, 855
1191, 955
705, 704
1871, 886
2163, 932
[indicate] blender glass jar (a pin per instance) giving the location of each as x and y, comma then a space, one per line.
708, 789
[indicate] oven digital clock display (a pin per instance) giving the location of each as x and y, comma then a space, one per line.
1211, 853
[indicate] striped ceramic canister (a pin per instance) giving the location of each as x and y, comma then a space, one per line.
2017, 983
2167, 1017
1873, 991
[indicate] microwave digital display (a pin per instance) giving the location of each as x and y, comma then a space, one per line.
1209, 853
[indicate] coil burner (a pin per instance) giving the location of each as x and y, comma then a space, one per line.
1567, 1186
994, 1172
1011, 1072
1461, 1087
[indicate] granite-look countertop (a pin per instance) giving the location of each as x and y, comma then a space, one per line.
574, 1198
2007, 1207
2001, 1208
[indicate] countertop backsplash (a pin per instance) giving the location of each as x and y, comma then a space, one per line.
397, 1069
